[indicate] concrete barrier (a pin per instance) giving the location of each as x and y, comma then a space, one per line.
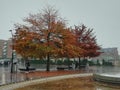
106, 78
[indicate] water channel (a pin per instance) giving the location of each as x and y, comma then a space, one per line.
6, 77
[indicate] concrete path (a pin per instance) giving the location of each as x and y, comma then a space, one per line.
42, 80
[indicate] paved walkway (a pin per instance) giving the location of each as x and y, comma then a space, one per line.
41, 80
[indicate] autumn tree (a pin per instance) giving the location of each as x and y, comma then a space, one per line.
68, 47
86, 40
45, 36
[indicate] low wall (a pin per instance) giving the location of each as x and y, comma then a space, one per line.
107, 79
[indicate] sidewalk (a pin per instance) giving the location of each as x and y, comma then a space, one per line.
42, 80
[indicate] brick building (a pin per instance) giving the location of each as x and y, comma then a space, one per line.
5, 49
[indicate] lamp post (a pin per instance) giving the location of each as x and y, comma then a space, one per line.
12, 53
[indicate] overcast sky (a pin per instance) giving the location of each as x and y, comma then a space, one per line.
101, 15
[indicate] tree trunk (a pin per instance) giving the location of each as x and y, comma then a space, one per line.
48, 63
79, 63
68, 63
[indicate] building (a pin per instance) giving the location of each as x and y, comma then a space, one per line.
5, 49
109, 55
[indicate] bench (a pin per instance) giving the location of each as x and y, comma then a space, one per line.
63, 67
24, 69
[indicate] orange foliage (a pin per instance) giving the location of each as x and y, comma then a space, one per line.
86, 41
48, 36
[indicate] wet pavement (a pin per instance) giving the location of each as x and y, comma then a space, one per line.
27, 78
6, 77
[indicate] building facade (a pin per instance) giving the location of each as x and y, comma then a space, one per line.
5, 49
109, 55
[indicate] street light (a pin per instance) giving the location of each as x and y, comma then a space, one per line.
12, 53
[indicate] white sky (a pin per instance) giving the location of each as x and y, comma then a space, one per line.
102, 15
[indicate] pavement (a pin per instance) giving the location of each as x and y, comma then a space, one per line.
42, 80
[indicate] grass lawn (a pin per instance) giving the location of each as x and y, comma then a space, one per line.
79, 83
